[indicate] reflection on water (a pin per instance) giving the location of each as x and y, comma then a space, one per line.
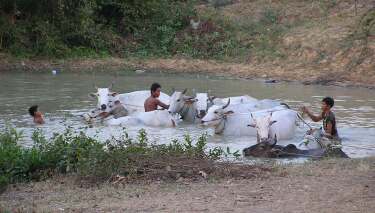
64, 97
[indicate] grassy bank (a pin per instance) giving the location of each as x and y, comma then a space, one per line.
134, 160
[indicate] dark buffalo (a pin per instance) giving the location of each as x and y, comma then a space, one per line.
266, 150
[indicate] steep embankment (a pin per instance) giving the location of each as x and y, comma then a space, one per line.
326, 42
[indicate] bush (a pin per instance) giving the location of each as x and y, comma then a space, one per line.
77, 153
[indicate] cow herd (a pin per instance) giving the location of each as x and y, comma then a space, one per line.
269, 120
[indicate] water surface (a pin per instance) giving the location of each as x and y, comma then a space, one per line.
63, 97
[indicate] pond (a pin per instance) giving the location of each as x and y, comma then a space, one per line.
64, 96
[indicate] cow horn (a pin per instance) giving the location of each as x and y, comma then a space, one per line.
185, 90
211, 98
275, 141
111, 86
226, 105
173, 90
96, 87
284, 104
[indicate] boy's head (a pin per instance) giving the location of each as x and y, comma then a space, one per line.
33, 109
155, 90
327, 103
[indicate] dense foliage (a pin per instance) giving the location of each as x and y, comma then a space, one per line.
65, 27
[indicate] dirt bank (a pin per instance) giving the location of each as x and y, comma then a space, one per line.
298, 73
324, 186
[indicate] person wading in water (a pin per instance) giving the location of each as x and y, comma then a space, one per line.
153, 101
328, 117
38, 116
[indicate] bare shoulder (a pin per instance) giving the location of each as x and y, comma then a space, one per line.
148, 99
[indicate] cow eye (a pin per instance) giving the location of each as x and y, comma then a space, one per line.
178, 100
215, 112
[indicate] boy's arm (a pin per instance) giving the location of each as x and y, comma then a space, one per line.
313, 117
162, 104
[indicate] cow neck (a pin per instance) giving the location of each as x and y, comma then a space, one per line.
220, 128
184, 112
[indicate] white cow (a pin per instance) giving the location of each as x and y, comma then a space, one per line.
234, 119
279, 124
193, 109
185, 106
244, 99
104, 97
157, 118
230, 119
203, 103
133, 101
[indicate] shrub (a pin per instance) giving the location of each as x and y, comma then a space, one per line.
72, 152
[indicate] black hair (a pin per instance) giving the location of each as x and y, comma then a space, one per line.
154, 87
329, 101
33, 109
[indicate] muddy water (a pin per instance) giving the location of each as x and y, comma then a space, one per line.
63, 97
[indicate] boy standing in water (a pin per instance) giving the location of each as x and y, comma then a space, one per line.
153, 101
38, 116
328, 117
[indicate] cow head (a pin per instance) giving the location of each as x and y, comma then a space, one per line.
104, 97
263, 126
216, 114
178, 100
204, 102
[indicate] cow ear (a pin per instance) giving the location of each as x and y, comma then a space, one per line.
92, 95
113, 94
251, 125
229, 112
191, 100
272, 122
211, 98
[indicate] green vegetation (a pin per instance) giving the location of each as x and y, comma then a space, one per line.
79, 154
67, 28
280, 32
151, 28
